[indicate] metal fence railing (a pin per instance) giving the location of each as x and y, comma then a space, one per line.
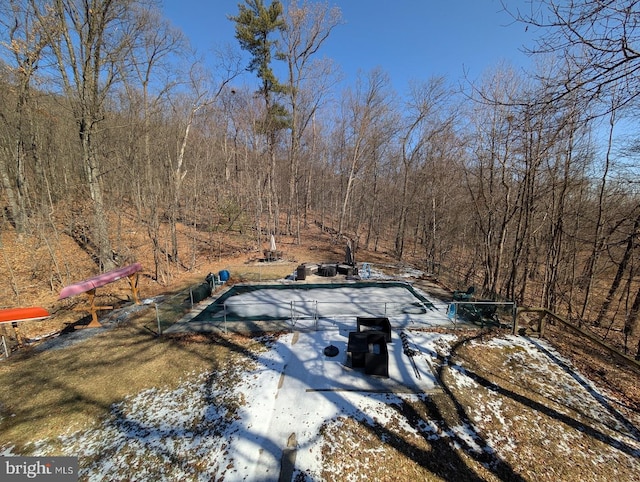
483, 312
312, 310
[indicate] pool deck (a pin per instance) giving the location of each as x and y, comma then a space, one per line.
334, 374
324, 387
194, 322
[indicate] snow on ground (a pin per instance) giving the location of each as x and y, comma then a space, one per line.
573, 385
289, 394
58, 340
322, 308
283, 400
266, 420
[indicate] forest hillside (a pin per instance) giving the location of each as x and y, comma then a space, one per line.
35, 269
116, 141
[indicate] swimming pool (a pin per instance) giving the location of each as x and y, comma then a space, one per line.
319, 305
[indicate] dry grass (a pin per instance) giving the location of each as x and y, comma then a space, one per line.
50, 393
354, 446
553, 431
46, 394
533, 419
598, 365
522, 422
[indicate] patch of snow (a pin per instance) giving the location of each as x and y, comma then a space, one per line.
202, 430
466, 434
461, 378
7, 451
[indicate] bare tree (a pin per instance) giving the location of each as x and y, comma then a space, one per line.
563, 171
426, 117
599, 238
204, 92
631, 322
367, 107
150, 76
623, 265
25, 43
307, 27
597, 42
489, 173
90, 40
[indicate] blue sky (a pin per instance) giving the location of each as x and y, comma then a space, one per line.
409, 39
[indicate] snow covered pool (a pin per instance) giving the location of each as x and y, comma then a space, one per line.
317, 306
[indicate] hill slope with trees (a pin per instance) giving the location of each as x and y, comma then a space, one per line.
108, 121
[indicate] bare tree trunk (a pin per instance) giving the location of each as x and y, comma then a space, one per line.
556, 234
87, 64
28, 39
11, 194
309, 25
622, 267
179, 174
347, 191
272, 197
631, 323
94, 182
598, 238
402, 219
368, 126
373, 208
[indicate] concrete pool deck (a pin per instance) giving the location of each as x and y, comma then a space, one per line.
314, 306
412, 311
303, 387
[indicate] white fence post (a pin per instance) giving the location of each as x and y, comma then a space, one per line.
293, 320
